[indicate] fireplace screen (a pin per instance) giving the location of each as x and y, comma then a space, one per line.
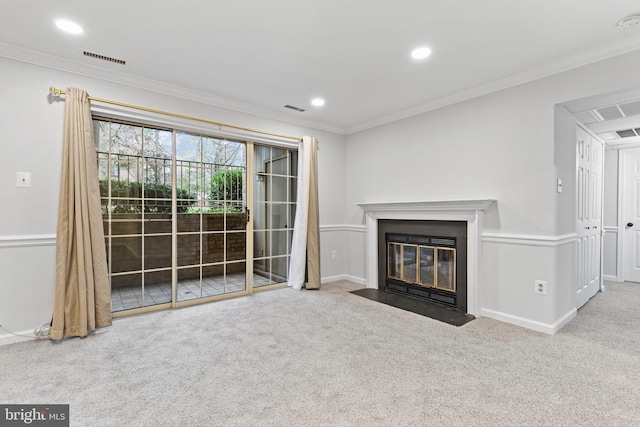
423, 265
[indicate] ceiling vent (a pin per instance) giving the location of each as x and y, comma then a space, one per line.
104, 58
631, 109
627, 133
291, 107
610, 113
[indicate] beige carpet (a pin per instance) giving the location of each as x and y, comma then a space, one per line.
329, 358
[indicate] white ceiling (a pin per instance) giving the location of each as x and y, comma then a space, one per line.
258, 56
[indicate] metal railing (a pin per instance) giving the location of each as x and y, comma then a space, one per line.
144, 182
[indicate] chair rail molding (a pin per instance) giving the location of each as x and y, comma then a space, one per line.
529, 240
29, 240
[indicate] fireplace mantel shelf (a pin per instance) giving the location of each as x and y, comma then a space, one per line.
430, 205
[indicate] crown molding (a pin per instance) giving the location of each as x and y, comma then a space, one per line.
115, 76
567, 63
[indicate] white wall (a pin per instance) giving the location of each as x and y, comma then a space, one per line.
32, 141
502, 146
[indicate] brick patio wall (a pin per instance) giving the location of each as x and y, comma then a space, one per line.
126, 252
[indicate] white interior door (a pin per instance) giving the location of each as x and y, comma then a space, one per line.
589, 152
631, 214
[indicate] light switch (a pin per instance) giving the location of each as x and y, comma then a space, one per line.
559, 185
23, 179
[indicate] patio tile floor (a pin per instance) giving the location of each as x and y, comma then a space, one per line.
130, 297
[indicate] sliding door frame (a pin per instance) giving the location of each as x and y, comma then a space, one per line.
249, 206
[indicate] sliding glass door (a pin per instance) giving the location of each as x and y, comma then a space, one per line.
211, 233
177, 210
135, 172
274, 197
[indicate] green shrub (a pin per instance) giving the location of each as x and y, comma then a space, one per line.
127, 195
227, 190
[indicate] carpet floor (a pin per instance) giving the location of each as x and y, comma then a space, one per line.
331, 358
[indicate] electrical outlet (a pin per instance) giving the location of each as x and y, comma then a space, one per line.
540, 287
334, 254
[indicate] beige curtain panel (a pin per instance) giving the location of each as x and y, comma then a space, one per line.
313, 225
305, 251
82, 299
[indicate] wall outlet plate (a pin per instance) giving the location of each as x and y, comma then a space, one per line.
540, 287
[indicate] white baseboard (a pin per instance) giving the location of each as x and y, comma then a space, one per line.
358, 280
355, 279
343, 227
608, 278
528, 323
10, 338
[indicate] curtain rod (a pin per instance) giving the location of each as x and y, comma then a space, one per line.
57, 91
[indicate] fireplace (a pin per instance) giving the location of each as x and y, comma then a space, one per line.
425, 260
422, 266
470, 212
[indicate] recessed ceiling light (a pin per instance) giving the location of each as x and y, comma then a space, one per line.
421, 53
68, 26
318, 102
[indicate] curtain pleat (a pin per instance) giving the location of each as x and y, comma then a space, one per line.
305, 250
82, 296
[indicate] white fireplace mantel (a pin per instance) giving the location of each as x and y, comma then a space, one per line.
470, 211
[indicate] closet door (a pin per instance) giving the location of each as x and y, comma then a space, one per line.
589, 152
631, 214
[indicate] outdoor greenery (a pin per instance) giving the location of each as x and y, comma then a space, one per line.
226, 189
125, 194
209, 177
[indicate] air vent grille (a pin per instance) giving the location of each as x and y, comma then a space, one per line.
627, 133
610, 113
291, 107
631, 109
104, 58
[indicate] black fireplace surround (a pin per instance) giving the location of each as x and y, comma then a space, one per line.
445, 234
